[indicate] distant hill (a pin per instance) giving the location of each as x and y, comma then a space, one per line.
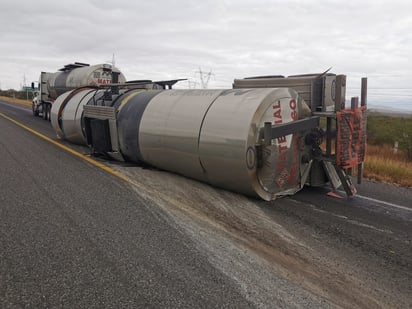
390, 112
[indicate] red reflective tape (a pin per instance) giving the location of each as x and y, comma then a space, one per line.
351, 137
335, 195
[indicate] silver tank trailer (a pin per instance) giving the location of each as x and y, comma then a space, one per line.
215, 136
99, 74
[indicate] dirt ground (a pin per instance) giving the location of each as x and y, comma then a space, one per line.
16, 101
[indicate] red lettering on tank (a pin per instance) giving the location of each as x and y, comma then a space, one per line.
293, 113
294, 168
292, 104
282, 148
277, 105
102, 81
282, 139
280, 167
287, 169
282, 158
277, 114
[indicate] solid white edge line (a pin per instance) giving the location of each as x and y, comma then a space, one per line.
383, 202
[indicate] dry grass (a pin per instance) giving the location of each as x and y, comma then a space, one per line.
14, 100
382, 164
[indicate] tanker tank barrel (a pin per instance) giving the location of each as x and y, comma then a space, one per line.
208, 135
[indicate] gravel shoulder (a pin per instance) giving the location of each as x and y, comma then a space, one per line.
308, 250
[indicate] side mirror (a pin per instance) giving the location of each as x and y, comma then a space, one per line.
32, 85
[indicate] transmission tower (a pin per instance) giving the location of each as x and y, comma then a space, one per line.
204, 77
192, 84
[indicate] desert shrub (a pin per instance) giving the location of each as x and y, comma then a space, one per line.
386, 130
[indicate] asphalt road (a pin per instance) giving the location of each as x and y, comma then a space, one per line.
73, 235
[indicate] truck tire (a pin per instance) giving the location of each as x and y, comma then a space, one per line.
44, 110
48, 112
35, 109
46, 107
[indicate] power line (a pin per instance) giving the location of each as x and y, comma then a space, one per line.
379, 88
389, 95
191, 84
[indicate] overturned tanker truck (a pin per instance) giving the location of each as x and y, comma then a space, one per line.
262, 138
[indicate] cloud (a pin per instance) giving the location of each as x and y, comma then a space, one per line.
166, 39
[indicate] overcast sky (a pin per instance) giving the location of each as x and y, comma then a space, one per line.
167, 39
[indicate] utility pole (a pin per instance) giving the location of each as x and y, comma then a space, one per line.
25, 87
112, 62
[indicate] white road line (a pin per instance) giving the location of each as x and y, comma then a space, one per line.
355, 222
384, 203
380, 202
370, 226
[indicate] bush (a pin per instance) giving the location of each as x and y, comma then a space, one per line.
11, 93
383, 129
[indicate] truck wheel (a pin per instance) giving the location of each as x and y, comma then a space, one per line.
44, 110
35, 109
48, 112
